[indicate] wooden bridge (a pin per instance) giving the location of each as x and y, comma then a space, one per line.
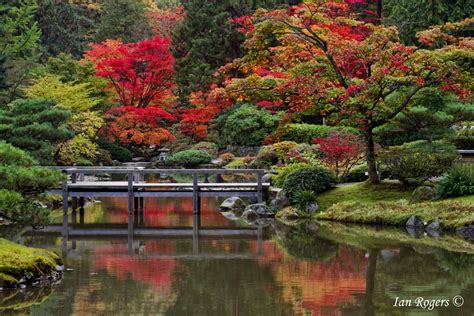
134, 188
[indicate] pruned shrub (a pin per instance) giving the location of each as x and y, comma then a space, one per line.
246, 125
356, 174
465, 139
266, 157
208, 147
283, 172
117, 152
227, 158
416, 162
190, 158
305, 133
458, 182
315, 179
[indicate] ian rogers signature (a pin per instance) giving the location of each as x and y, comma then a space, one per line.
429, 304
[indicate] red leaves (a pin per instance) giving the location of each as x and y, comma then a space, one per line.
137, 126
163, 22
195, 121
263, 72
341, 151
141, 74
245, 22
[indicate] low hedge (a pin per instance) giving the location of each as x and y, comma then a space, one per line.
190, 158
305, 133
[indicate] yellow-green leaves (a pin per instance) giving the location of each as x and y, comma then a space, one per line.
75, 97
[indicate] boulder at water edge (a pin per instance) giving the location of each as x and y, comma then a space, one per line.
280, 201
255, 211
233, 204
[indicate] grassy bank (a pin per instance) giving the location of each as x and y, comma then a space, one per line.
387, 204
17, 262
370, 237
364, 193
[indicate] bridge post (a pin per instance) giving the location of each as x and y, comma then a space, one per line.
259, 187
65, 210
73, 199
196, 198
130, 203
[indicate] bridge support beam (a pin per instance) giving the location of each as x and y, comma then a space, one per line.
260, 187
131, 200
196, 197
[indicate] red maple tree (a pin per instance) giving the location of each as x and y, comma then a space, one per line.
140, 74
133, 126
341, 151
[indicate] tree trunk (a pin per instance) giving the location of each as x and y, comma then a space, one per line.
370, 157
370, 282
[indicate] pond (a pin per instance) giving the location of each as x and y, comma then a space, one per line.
309, 269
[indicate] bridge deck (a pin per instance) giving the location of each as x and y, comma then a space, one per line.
124, 185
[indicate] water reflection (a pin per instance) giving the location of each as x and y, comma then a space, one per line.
310, 269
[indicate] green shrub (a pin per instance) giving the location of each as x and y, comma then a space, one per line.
315, 179
266, 158
246, 125
304, 133
458, 182
22, 186
283, 172
416, 162
208, 147
117, 152
236, 164
303, 199
356, 174
190, 158
465, 139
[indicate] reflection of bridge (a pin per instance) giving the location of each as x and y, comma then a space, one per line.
83, 232
135, 188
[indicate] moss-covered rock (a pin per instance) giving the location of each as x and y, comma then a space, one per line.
423, 193
24, 265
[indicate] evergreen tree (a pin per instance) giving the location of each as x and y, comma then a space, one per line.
206, 39
22, 184
19, 45
412, 16
64, 27
3, 72
123, 19
35, 125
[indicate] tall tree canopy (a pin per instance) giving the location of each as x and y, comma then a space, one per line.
207, 39
19, 45
122, 20
413, 16
318, 56
64, 27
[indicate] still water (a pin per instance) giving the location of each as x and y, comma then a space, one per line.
307, 269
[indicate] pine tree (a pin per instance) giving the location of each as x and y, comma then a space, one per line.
123, 19
412, 16
206, 40
64, 27
36, 126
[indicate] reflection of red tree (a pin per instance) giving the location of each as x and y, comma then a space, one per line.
165, 212
155, 272
324, 286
